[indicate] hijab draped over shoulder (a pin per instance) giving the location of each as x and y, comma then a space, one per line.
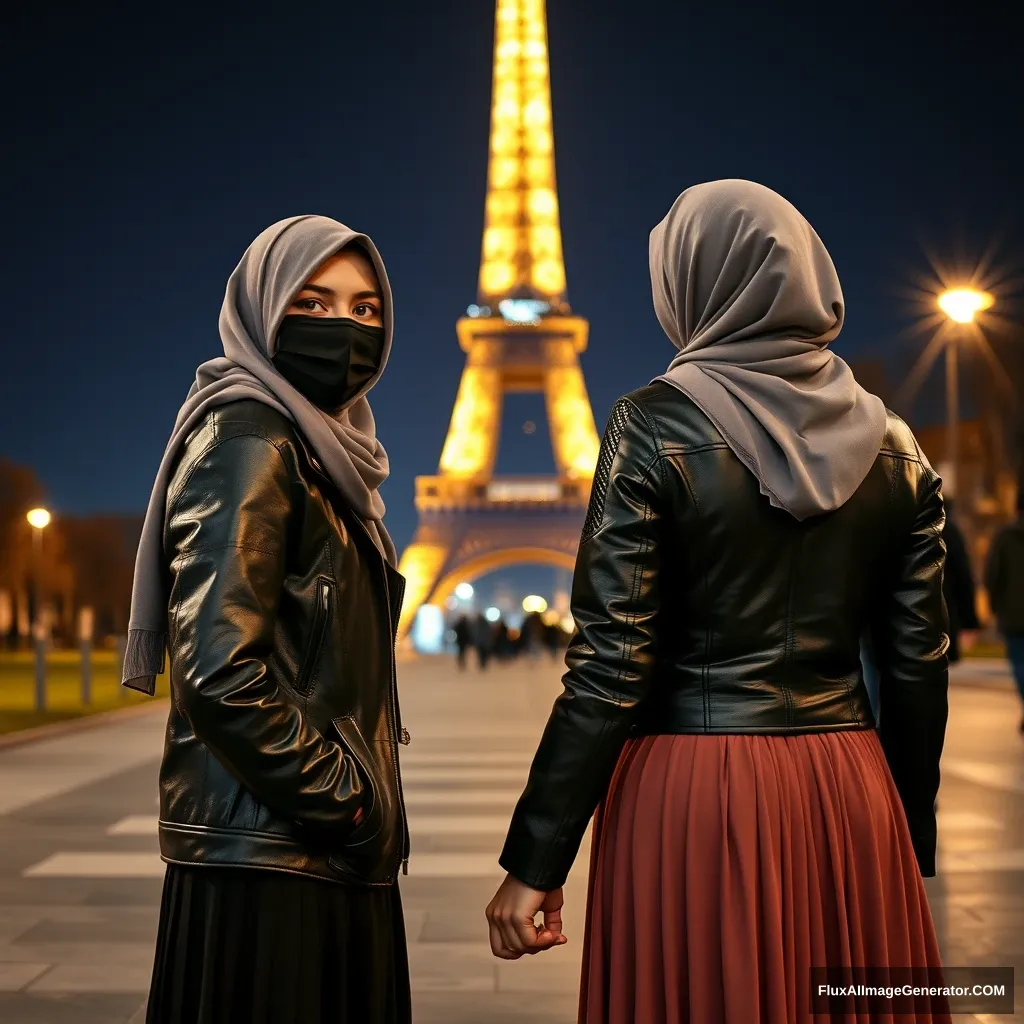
748, 294
259, 292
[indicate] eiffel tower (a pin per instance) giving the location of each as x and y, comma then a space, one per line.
521, 336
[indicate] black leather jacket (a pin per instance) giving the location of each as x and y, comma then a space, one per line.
700, 608
284, 718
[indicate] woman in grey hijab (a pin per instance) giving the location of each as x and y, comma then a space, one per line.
754, 513
266, 571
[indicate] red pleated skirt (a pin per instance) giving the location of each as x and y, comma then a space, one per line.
723, 868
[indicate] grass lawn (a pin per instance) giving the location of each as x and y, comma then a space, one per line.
63, 688
996, 649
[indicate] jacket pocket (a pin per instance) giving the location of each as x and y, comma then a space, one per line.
317, 636
373, 821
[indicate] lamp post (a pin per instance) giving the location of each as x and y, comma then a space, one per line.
39, 519
960, 305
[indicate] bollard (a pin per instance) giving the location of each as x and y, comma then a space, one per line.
122, 645
85, 624
86, 673
40, 672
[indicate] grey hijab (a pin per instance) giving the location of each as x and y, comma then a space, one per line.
259, 292
747, 292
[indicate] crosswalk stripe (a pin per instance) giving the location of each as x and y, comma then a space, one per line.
135, 825
106, 864
149, 865
965, 821
111, 864
1009, 777
979, 860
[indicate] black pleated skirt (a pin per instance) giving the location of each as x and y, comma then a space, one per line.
249, 946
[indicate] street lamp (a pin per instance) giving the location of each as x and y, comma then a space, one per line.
39, 519
961, 305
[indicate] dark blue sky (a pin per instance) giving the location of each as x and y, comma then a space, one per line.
146, 147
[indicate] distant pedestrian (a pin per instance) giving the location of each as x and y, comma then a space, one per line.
553, 635
483, 640
532, 637
502, 642
463, 640
1004, 579
958, 588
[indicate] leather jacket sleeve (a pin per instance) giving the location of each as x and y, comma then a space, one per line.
225, 536
910, 637
610, 657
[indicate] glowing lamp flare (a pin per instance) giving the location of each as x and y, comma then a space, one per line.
963, 304
39, 518
464, 591
534, 603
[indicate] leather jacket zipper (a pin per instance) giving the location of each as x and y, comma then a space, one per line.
316, 640
395, 735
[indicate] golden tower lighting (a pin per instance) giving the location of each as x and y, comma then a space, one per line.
519, 336
522, 245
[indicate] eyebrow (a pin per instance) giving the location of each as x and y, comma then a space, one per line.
330, 292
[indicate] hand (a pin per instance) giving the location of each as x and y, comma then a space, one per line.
510, 917
968, 639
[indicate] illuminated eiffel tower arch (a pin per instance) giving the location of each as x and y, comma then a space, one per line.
521, 336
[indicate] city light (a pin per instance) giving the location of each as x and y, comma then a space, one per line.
428, 629
492, 614
523, 311
522, 248
533, 603
464, 591
963, 304
39, 518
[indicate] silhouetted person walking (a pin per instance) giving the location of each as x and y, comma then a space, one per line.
502, 643
553, 639
484, 641
958, 588
463, 640
1004, 578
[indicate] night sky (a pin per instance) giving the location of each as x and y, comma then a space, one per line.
148, 145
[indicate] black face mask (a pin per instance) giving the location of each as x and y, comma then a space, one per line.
328, 359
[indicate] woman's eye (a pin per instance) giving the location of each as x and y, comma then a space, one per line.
308, 305
364, 309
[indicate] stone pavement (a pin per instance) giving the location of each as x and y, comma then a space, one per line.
80, 877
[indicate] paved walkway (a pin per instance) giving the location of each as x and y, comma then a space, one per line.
80, 877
